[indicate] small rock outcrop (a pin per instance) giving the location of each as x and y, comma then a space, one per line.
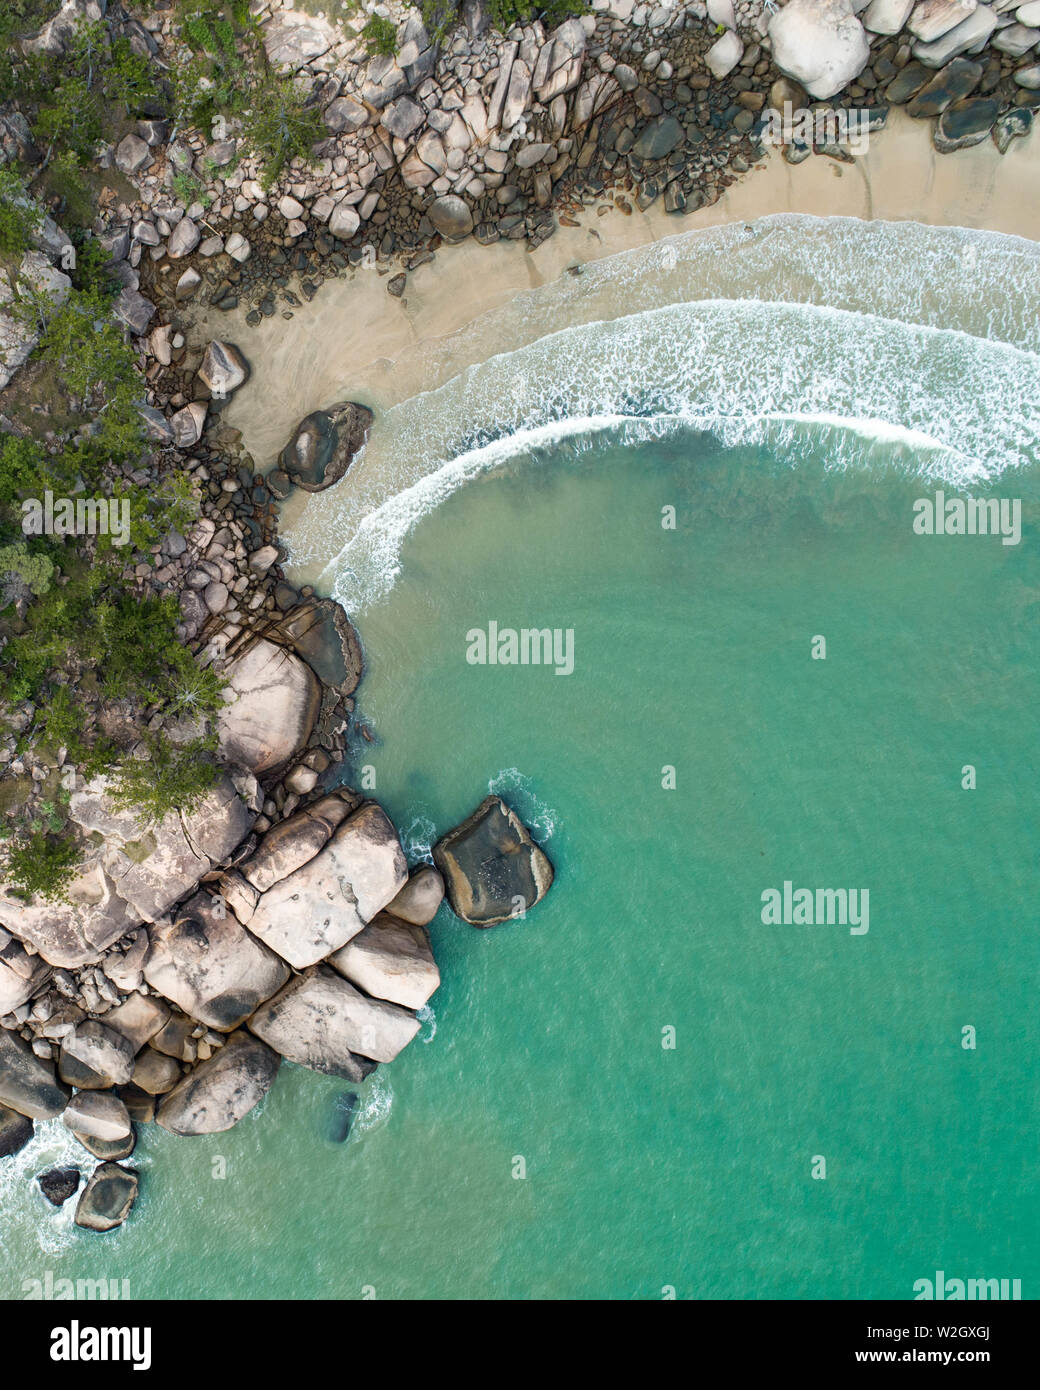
492, 868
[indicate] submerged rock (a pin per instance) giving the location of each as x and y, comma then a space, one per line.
492, 868
108, 1198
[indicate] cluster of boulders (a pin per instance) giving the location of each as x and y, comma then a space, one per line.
308, 944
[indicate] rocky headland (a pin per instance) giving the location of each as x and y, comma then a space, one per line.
276, 918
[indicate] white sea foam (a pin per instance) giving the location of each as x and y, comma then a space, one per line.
428, 1021
52, 1146
964, 408
518, 790
376, 1104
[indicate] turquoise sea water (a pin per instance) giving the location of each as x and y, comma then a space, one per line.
649, 1168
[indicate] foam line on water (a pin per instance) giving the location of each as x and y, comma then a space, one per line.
962, 409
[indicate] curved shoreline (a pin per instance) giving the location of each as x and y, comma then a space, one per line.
354, 341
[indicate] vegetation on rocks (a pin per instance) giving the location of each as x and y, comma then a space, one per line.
230, 80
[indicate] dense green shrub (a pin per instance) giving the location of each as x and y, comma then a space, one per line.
380, 35
230, 79
168, 779
39, 864
20, 218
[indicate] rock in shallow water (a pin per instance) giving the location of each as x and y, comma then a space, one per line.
108, 1198
320, 1021
492, 868
59, 1184
324, 444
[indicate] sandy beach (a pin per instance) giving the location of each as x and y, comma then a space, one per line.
356, 341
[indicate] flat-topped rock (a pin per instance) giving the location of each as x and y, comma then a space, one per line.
492, 868
320, 1021
108, 1198
317, 909
210, 966
27, 1084
222, 1091
390, 960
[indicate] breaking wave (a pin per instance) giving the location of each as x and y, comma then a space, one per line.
872, 345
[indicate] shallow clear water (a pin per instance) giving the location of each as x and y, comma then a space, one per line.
690, 1167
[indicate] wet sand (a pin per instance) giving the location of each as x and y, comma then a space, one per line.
355, 341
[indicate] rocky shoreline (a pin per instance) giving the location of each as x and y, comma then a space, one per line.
278, 918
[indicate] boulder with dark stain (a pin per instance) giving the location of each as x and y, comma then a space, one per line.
492, 868
324, 444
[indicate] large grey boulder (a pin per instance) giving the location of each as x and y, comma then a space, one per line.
320, 1021
319, 907
324, 444
492, 868
221, 1091
820, 43
97, 1115
27, 1084
273, 700
77, 929
104, 1051
295, 841
108, 1198
210, 966
150, 867
390, 960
